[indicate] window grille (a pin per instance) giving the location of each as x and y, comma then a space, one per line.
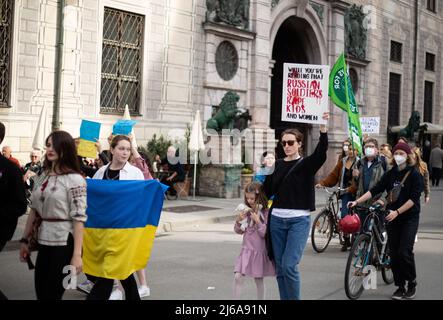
6, 14
396, 54
121, 62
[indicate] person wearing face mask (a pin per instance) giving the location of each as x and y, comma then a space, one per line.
404, 185
342, 174
370, 168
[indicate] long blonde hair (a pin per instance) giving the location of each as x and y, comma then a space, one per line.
419, 163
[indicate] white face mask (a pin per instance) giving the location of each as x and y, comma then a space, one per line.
345, 148
369, 152
399, 160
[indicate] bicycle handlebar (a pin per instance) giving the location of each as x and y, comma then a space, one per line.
376, 208
334, 190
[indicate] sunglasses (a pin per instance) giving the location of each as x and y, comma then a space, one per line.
289, 143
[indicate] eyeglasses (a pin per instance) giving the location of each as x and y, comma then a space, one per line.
289, 143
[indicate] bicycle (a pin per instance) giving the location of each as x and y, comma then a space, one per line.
369, 249
326, 223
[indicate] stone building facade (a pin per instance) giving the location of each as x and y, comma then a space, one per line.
168, 67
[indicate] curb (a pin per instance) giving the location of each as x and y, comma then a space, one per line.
170, 226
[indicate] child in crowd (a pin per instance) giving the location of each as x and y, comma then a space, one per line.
253, 259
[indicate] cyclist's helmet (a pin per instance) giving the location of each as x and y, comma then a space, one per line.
350, 224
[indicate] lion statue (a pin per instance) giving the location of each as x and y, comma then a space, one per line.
225, 116
413, 126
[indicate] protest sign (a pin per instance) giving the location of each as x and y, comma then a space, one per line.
123, 127
89, 135
305, 93
370, 125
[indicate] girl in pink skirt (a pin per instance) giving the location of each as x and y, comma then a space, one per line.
253, 260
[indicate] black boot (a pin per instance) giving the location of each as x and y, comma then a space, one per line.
346, 245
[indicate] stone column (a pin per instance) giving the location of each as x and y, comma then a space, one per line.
176, 105
71, 103
260, 138
337, 126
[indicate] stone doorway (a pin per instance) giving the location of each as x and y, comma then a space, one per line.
294, 43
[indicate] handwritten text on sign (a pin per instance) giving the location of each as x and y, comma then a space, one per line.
305, 93
370, 125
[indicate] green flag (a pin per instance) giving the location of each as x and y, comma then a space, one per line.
342, 94
337, 85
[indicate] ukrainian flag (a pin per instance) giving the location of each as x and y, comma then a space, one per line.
122, 219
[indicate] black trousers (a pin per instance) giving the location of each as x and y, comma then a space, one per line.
171, 183
401, 238
49, 270
436, 174
2, 245
103, 288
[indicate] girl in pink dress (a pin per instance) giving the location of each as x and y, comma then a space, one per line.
253, 259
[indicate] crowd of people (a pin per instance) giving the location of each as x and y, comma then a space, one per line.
55, 192
274, 232
280, 229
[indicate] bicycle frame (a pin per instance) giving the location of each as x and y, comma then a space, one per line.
375, 238
334, 198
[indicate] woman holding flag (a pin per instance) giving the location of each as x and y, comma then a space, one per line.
118, 169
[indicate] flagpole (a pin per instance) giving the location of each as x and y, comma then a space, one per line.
195, 172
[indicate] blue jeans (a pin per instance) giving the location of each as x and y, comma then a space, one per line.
289, 237
345, 198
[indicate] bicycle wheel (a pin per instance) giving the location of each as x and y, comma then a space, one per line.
321, 231
386, 270
357, 260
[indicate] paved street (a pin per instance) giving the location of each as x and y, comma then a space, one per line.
195, 261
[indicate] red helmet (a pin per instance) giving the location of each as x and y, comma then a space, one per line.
350, 223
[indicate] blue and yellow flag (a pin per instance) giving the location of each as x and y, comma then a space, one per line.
122, 220
89, 134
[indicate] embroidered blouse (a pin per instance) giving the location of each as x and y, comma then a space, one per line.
59, 200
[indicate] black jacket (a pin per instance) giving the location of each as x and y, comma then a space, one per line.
411, 190
12, 198
297, 192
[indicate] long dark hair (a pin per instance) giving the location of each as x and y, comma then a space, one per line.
64, 146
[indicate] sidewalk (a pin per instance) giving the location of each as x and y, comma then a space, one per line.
183, 212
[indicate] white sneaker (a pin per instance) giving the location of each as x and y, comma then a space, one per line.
116, 295
85, 286
144, 291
